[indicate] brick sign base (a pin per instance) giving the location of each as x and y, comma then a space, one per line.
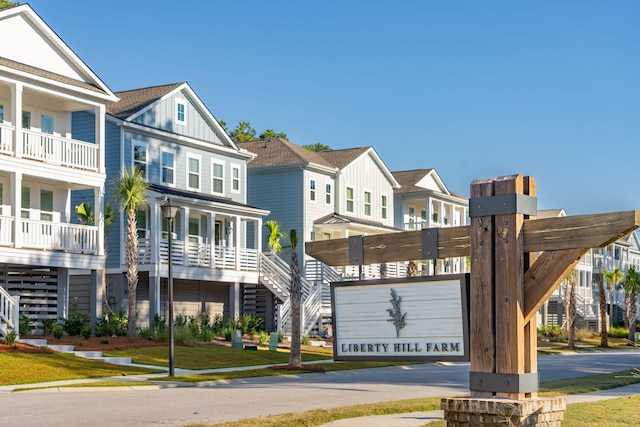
467, 412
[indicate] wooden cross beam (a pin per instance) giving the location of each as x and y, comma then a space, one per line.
509, 283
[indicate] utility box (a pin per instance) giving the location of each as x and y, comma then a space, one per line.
236, 339
273, 341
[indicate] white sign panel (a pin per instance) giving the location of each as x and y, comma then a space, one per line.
410, 319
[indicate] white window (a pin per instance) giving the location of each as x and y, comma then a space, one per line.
383, 204
46, 124
312, 190
327, 193
181, 112
217, 172
140, 157
168, 167
367, 203
235, 178
193, 172
412, 215
26, 202
46, 205
26, 120
194, 230
350, 199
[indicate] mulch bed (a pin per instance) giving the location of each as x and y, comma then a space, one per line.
82, 344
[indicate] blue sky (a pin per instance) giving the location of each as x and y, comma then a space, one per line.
474, 89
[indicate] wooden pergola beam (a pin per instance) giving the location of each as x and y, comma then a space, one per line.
572, 232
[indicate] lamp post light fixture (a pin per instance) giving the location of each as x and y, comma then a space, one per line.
169, 212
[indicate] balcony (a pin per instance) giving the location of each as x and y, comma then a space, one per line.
51, 236
51, 149
199, 255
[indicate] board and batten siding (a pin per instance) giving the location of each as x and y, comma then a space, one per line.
280, 192
33, 49
364, 174
318, 208
163, 116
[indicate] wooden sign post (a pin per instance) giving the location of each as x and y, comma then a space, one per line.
508, 285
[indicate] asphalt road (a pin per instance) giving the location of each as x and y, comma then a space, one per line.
248, 398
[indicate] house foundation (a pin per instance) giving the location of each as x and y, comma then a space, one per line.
468, 412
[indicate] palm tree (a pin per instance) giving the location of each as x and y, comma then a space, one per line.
631, 286
570, 307
613, 278
85, 215
275, 236
295, 357
602, 302
130, 191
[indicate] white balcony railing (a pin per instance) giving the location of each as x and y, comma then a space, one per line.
56, 236
199, 255
59, 151
6, 139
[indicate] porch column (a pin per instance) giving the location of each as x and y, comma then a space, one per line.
212, 238
63, 293
16, 208
16, 118
95, 297
98, 196
234, 300
154, 298
185, 235
258, 235
99, 112
155, 225
236, 240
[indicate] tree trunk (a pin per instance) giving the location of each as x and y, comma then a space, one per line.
611, 297
602, 301
295, 357
630, 314
132, 271
571, 315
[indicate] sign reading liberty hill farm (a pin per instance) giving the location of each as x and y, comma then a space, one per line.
409, 319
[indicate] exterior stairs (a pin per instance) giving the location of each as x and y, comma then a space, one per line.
95, 355
275, 276
9, 312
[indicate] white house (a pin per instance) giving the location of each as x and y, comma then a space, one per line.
43, 163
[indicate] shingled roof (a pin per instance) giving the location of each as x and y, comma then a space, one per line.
409, 179
278, 151
18, 66
132, 101
341, 158
335, 218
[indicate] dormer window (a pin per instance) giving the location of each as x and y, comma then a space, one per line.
181, 112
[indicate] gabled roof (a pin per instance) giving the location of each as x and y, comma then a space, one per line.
194, 195
132, 101
341, 158
279, 152
53, 61
550, 213
335, 218
136, 102
408, 180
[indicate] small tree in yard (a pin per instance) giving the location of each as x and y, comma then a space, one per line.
613, 278
631, 286
130, 190
570, 303
295, 293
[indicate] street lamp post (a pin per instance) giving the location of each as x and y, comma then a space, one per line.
169, 212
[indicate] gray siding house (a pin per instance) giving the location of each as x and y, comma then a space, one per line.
188, 159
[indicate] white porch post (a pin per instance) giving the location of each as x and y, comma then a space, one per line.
95, 297
63, 293
98, 196
185, 235
16, 208
16, 118
236, 240
154, 297
258, 235
212, 238
99, 112
155, 226
234, 300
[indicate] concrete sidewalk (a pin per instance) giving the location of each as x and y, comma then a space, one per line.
416, 419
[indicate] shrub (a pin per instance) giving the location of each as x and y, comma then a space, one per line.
280, 336
75, 323
104, 328
583, 334
24, 325
207, 335
11, 337
182, 335
159, 323
47, 326
104, 340
618, 332
57, 330
264, 337
304, 340
227, 333
86, 331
